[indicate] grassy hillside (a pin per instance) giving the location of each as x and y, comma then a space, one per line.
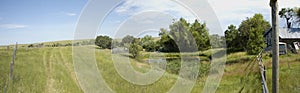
39, 70
50, 70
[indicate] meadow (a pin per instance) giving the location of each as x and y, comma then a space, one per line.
51, 70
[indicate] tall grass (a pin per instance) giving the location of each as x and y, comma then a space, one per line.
50, 70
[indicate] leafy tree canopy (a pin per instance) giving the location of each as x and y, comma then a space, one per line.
103, 42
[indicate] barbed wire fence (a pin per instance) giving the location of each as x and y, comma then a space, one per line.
250, 68
10, 79
262, 69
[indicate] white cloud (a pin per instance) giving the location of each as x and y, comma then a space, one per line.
227, 11
133, 7
12, 26
71, 14
237, 10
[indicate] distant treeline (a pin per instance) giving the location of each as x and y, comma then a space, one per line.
182, 36
76, 43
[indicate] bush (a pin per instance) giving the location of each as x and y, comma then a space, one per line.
135, 49
103, 42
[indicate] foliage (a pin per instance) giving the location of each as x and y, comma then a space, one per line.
116, 43
217, 41
166, 42
297, 10
185, 36
233, 39
31, 45
149, 44
288, 14
201, 35
103, 42
252, 30
135, 48
249, 36
127, 40
179, 32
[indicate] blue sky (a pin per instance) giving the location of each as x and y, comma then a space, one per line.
31, 21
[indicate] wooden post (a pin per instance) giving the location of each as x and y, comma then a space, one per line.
275, 46
13, 61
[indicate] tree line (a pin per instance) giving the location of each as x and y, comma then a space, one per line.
248, 36
189, 37
182, 36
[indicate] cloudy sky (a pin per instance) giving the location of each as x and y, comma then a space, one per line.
31, 21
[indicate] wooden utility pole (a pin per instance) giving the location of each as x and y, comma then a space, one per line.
275, 46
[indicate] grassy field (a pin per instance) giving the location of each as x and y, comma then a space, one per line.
50, 70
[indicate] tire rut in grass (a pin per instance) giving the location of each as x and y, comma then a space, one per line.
48, 59
68, 66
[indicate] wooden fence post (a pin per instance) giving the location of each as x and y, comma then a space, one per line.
13, 61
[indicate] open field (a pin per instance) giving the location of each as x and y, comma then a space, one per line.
50, 70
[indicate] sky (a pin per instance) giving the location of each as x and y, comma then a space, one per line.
32, 21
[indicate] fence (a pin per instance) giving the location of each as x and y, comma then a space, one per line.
13, 61
11, 67
262, 73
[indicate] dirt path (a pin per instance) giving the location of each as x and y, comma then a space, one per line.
69, 66
48, 59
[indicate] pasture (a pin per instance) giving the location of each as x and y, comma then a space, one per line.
51, 70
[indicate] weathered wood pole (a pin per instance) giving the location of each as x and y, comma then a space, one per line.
13, 61
275, 46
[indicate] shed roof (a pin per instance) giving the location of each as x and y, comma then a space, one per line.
287, 33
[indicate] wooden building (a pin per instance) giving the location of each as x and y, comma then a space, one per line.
289, 39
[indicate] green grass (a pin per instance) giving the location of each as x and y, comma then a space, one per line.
39, 70
50, 70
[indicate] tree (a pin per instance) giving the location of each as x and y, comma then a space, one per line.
167, 43
116, 43
135, 48
251, 31
149, 44
216, 41
287, 14
103, 42
201, 35
185, 35
179, 32
297, 11
127, 40
233, 39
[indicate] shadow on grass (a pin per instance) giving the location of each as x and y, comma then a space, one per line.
240, 60
138, 58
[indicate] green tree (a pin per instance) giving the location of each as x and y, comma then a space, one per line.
288, 14
233, 39
135, 48
185, 35
216, 41
251, 31
148, 43
166, 42
179, 32
127, 40
201, 35
103, 42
